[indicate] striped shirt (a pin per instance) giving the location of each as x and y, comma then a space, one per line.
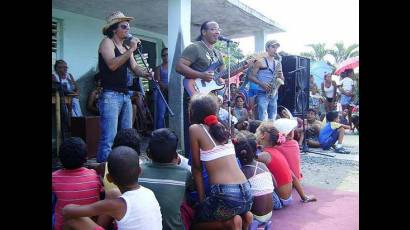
74, 186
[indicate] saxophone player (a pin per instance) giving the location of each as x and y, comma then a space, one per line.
265, 78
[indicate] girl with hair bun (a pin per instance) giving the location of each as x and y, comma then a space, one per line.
259, 177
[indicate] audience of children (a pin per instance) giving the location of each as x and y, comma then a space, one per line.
74, 184
229, 201
136, 208
164, 177
333, 132
168, 174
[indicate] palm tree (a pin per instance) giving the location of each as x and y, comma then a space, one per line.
319, 51
341, 53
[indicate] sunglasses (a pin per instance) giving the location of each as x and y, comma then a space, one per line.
124, 27
215, 29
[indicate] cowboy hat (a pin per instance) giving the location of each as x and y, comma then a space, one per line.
285, 125
115, 17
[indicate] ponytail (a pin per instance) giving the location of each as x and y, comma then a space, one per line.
217, 130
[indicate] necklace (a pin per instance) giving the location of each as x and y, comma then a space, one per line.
210, 52
206, 45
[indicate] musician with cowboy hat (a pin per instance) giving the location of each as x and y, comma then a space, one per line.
114, 58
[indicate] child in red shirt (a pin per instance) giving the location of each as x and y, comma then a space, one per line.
290, 150
269, 137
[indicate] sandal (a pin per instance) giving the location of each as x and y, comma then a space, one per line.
308, 199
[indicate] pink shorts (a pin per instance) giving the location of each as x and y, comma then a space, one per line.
99, 228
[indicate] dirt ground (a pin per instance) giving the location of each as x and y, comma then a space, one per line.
340, 172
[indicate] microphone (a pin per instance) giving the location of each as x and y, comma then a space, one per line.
127, 40
222, 38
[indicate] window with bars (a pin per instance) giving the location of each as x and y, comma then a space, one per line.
54, 42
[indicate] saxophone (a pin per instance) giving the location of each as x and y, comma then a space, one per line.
276, 82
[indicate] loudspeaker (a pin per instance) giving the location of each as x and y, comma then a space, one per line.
88, 128
294, 95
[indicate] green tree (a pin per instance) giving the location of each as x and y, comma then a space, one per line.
235, 53
341, 53
319, 52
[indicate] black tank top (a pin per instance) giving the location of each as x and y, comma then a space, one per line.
113, 80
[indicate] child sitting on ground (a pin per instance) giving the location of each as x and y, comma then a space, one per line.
253, 125
164, 177
129, 137
230, 199
242, 124
136, 208
290, 150
333, 131
344, 119
258, 175
239, 111
73, 177
269, 137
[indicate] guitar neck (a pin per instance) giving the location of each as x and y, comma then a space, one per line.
233, 69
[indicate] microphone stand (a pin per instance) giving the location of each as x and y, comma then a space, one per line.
155, 83
229, 88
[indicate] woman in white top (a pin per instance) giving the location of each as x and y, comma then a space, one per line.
329, 89
229, 200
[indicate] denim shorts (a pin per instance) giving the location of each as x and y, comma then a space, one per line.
279, 203
224, 202
345, 100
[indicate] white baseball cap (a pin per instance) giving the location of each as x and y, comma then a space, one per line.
285, 125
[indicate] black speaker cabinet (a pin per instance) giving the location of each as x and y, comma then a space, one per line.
294, 95
88, 128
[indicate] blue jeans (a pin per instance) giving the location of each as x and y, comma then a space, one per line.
267, 106
224, 202
345, 100
160, 109
115, 113
279, 203
76, 108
